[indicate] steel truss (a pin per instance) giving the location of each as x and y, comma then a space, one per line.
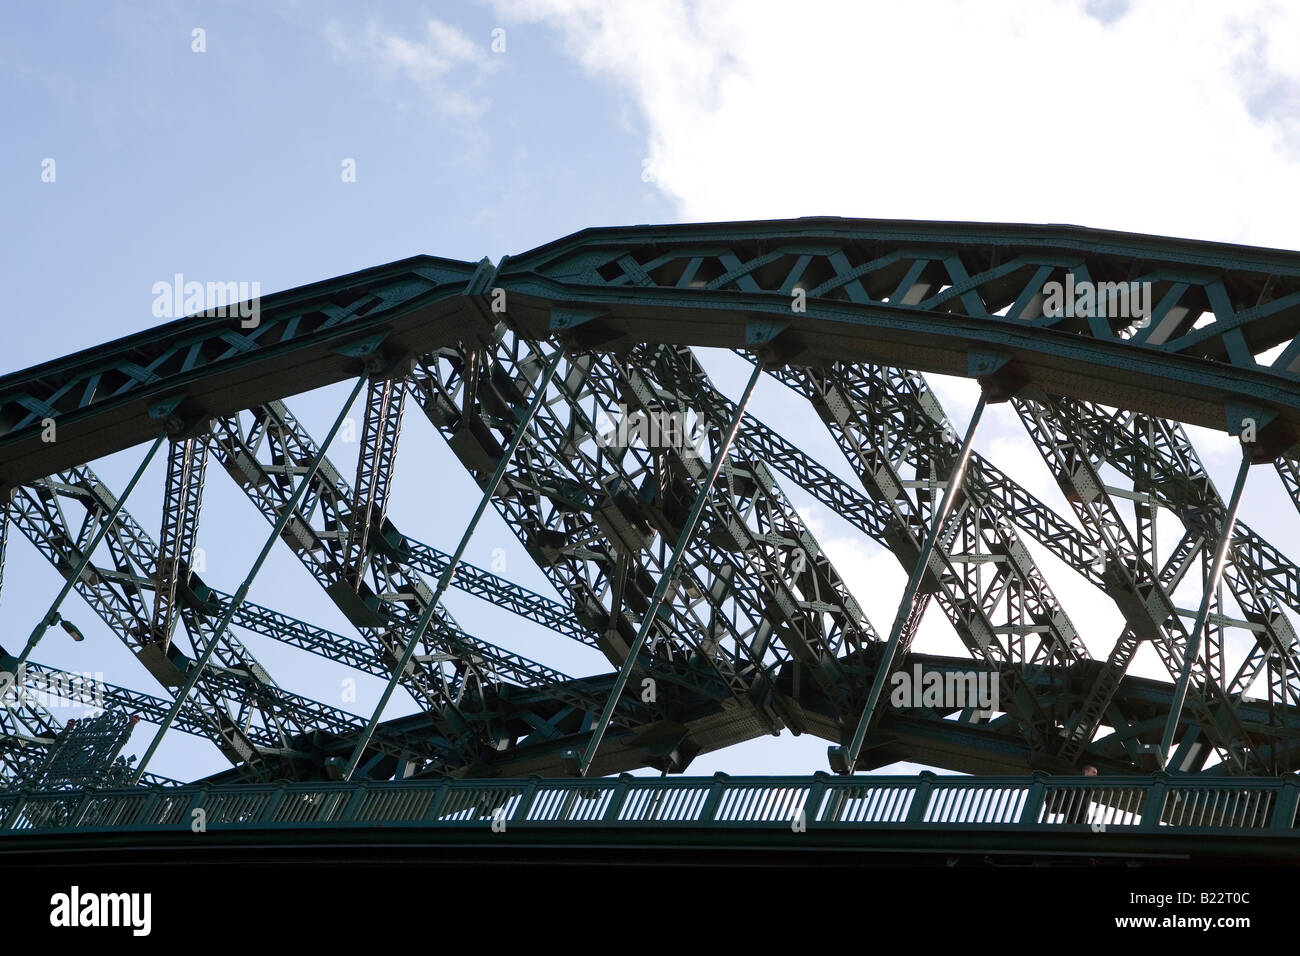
566, 381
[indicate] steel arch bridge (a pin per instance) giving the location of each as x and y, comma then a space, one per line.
672, 545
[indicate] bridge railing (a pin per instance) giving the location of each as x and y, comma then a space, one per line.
1159, 803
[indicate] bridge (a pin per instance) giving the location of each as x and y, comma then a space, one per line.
1116, 820
569, 385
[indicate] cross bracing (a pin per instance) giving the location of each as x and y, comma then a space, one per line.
680, 556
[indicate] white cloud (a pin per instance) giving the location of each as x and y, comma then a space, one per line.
1169, 117
429, 63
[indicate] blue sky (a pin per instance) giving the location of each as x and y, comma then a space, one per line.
226, 164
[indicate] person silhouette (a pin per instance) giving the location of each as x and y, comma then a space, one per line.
1072, 803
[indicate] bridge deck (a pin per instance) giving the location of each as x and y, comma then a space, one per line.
1150, 817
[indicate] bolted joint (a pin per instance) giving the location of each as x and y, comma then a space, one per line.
181, 418
773, 342
1262, 436
996, 373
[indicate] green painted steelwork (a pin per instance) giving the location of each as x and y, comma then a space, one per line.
196, 669
913, 294
920, 295
847, 757
449, 572
100, 399
1227, 526
51, 615
1109, 807
666, 577
744, 623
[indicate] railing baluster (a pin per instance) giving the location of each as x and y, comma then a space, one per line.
716, 791
526, 801
921, 797
1161, 803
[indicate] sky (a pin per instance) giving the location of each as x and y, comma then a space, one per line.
284, 143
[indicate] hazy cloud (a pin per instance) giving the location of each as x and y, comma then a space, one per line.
441, 61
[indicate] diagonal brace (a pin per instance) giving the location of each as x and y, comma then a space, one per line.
52, 615
450, 571
666, 577
197, 668
843, 759
1203, 612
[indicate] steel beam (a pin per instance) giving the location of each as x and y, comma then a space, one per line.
197, 667
183, 498
1193, 648
521, 429
844, 759
79, 568
649, 617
